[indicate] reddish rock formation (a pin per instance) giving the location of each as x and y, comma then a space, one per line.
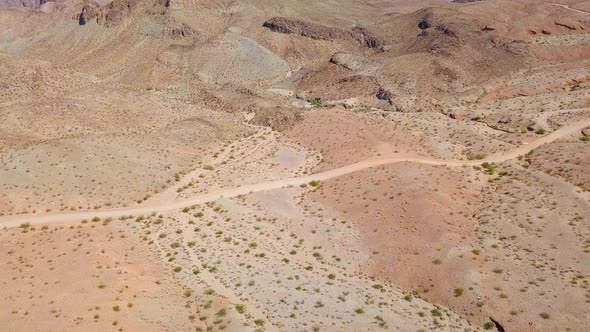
321, 32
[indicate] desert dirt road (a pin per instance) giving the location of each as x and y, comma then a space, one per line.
570, 8
163, 206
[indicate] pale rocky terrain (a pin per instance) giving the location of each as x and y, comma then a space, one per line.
173, 165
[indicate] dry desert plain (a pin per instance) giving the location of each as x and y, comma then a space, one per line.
294, 165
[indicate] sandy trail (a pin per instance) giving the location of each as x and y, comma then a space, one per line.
543, 118
570, 8
162, 206
171, 192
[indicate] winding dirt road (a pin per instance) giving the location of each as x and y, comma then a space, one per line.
162, 206
570, 8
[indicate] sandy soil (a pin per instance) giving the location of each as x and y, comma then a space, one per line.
86, 277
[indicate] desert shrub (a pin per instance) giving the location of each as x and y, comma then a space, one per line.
240, 308
316, 102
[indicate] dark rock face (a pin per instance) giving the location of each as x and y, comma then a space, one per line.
32, 4
113, 13
498, 326
321, 32
424, 24
82, 19
386, 95
305, 29
108, 15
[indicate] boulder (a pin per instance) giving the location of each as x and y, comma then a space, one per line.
532, 126
566, 25
386, 95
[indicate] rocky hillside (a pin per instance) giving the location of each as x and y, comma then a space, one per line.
396, 55
32, 4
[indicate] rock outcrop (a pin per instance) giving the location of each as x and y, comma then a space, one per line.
33, 4
113, 13
181, 31
385, 95
321, 32
568, 26
278, 118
